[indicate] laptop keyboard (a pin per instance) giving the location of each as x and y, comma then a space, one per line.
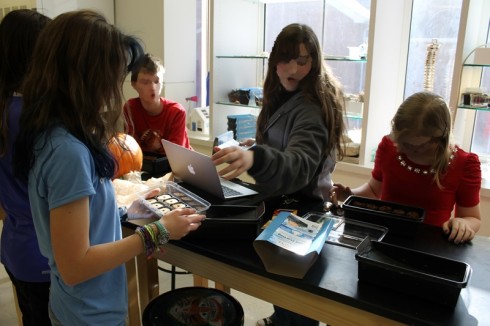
229, 192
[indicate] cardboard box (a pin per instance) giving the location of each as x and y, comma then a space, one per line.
290, 245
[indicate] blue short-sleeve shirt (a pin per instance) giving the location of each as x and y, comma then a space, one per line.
63, 172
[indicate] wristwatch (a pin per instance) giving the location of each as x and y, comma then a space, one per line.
163, 235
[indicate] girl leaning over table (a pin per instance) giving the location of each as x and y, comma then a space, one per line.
418, 164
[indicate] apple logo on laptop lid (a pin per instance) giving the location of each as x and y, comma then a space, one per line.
191, 169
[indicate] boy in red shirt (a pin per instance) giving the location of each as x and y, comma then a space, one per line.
151, 117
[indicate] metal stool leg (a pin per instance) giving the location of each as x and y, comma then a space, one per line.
173, 272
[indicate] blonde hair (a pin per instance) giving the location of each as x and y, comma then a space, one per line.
426, 114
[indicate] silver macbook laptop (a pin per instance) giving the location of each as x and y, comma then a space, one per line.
199, 171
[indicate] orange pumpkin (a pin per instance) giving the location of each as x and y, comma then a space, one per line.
127, 153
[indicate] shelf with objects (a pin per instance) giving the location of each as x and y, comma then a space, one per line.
239, 46
351, 71
251, 97
473, 109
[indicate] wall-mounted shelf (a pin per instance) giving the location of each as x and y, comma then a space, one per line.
242, 57
471, 77
340, 58
474, 65
326, 57
477, 108
238, 104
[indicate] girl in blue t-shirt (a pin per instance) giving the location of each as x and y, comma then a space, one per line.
73, 99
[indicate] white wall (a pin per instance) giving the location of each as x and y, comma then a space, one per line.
17, 4
388, 35
172, 23
146, 23
236, 28
53, 8
179, 24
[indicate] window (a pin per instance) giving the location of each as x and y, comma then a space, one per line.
342, 28
432, 21
480, 140
343, 24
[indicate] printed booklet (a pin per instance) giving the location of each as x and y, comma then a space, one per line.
290, 244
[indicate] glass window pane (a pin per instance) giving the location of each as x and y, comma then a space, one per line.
342, 26
480, 142
432, 20
339, 24
347, 26
278, 15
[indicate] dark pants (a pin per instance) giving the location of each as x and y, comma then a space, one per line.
283, 317
33, 298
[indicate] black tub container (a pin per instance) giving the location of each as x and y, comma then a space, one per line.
230, 222
419, 274
372, 212
156, 165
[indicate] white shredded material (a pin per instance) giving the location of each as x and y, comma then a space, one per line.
130, 187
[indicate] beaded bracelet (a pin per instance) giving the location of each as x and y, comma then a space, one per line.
148, 240
151, 232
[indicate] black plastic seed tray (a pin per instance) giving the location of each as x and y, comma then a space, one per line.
230, 222
419, 274
399, 219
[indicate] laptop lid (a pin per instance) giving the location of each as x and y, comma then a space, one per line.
199, 171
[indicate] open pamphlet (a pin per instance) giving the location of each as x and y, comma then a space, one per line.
291, 244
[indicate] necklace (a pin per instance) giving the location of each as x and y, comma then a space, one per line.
416, 170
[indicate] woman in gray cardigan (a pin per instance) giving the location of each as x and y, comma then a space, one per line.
299, 131
300, 126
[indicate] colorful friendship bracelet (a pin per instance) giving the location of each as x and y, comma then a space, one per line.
151, 240
148, 242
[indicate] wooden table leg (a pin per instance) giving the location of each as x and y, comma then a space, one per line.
200, 281
149, 287
204, 282
222, 287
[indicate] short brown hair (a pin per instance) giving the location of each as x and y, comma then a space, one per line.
148, 64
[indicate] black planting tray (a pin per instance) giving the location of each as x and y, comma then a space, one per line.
399, 219
426, 276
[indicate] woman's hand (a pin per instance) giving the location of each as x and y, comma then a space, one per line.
151, 140
458, 230
180, 222
247, 142
238, 161
339, 192
140, 208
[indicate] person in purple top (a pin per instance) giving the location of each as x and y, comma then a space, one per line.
20, 254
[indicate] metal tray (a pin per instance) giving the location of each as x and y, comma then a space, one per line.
349, 233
